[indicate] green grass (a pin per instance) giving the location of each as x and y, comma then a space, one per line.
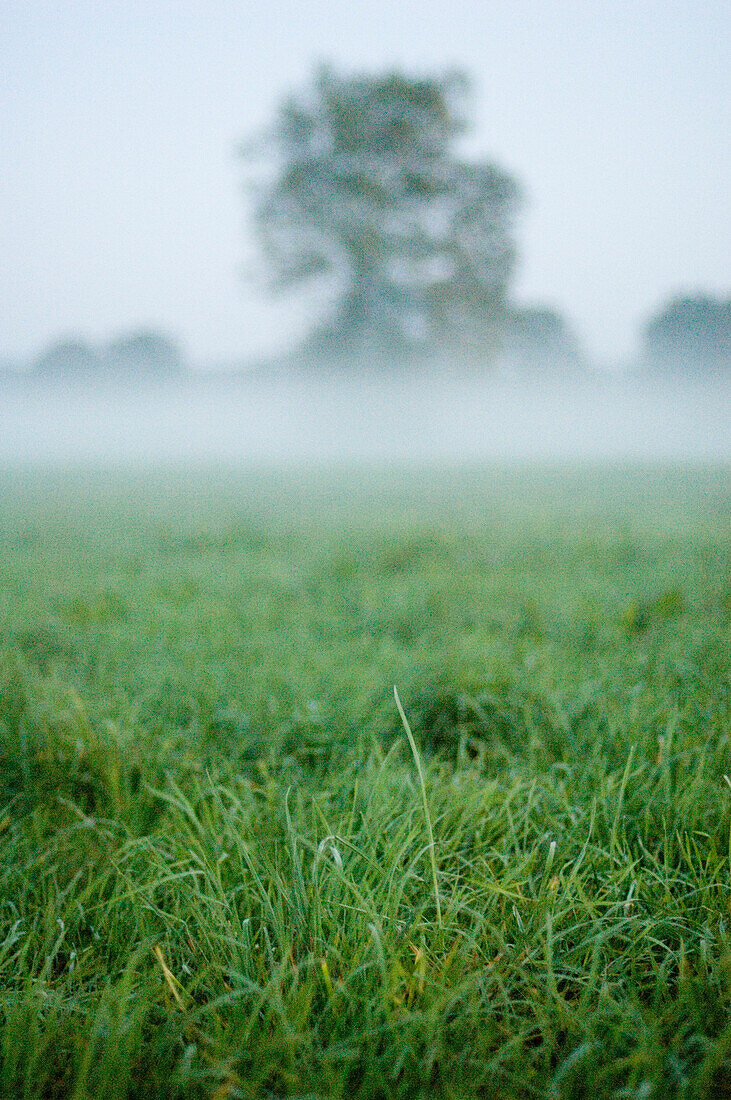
226, 872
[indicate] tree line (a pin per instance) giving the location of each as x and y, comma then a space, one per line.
366, 194
141, 353
360, 192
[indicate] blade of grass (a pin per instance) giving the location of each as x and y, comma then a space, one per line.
427, 817
170, 978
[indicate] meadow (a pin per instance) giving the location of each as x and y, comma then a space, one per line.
230, 868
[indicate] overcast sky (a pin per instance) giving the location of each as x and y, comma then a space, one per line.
120, 190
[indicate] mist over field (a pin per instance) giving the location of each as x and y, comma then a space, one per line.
304, 417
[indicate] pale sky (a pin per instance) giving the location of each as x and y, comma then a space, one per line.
121, 198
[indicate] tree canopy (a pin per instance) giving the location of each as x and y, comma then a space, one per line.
70, 357
142, 353
370, 194
690, 332
538, 336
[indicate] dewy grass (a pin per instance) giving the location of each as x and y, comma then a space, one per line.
213, 873
425, 804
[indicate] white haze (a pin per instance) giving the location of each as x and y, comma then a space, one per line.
284, 418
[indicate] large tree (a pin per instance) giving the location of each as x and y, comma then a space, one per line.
369, 193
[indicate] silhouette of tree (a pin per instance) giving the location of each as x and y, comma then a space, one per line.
370, 194
538, 337
690, 333
144, 352
68, 358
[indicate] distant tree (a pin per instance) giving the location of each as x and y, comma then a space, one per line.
68, 358
690, 333
144, 352
537, 337
370, 193
140, 353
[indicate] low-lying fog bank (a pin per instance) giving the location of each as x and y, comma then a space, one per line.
301, 417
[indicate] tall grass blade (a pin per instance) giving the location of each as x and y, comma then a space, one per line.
425, 804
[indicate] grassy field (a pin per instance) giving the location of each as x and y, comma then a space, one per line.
226, 871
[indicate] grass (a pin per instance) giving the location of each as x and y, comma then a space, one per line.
230, 864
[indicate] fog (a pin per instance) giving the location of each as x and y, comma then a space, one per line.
305, 416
